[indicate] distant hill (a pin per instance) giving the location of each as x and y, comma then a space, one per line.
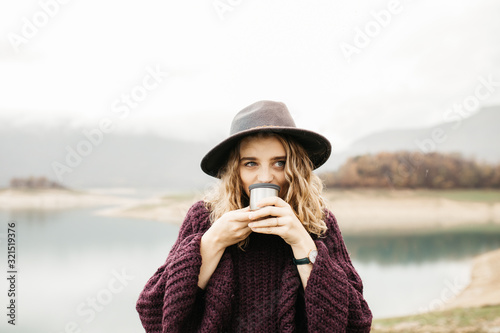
476, 137
120, 160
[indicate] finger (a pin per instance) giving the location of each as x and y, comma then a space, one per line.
267, 230
272, 201
240, 216
267, 211
266, 223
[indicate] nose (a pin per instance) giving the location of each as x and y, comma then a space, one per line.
265, 175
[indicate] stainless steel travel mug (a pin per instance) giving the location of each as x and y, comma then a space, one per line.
260, 191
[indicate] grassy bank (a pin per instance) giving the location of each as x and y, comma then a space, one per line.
385, 210
483, 195
477, 320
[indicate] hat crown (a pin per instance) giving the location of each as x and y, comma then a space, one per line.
262, 114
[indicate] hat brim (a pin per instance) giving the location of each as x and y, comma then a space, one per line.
317, 146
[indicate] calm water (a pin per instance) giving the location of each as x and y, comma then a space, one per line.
78, 271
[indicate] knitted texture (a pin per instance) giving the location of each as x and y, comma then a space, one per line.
256, 290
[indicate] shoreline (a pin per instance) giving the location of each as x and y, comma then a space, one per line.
55, 199
357, 211
484, 287
408, 211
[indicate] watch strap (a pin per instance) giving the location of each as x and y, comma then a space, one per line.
302, 261
310, 259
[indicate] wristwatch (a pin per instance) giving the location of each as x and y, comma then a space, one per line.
310, 259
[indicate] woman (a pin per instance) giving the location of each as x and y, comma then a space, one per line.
281, 268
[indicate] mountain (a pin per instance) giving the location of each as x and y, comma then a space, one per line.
476, 136
113, 160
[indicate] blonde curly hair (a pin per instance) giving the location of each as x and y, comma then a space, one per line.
303, 191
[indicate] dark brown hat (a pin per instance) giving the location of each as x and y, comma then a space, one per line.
266, 116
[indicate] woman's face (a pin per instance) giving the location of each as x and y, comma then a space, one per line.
262, 160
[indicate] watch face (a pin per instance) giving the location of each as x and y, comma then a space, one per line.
312, 256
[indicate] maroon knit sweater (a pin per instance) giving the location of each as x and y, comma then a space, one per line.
256, 290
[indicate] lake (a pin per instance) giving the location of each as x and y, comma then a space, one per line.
78, 272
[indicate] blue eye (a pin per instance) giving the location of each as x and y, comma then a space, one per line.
250, 164
280, 164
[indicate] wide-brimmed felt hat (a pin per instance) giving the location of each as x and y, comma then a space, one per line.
266, 116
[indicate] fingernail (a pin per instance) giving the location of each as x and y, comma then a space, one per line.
250, 225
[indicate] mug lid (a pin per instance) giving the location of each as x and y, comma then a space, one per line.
264, 185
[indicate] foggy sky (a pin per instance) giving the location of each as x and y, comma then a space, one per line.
344, 69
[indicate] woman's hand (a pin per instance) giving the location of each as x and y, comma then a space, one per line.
230, 228
279, 219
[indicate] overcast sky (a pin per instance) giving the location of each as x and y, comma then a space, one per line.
344, 68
